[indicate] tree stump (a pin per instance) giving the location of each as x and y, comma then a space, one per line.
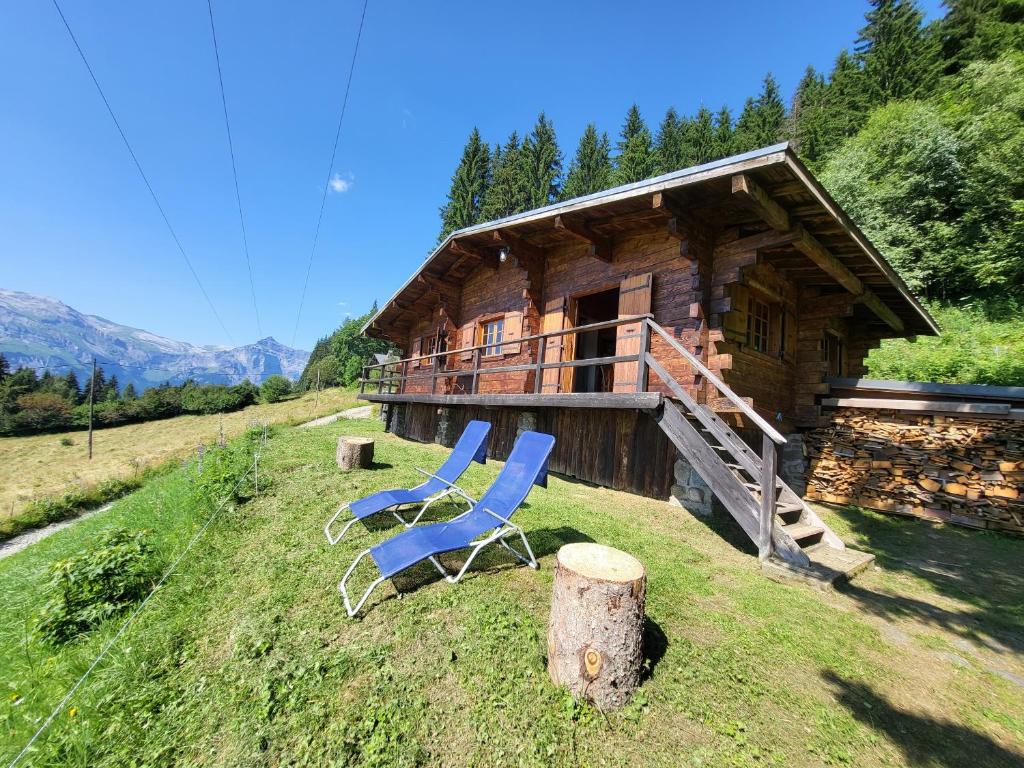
355, 452
595, 635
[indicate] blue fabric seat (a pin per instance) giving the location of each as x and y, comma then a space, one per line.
472, 446
488, 518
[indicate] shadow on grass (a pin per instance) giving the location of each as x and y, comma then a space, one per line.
923, 740
979, 568
655, 647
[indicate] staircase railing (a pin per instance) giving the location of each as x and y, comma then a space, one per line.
766, 469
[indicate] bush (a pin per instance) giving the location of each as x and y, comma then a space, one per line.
87, 589
275, 388
224, 471
40, 412
981, 343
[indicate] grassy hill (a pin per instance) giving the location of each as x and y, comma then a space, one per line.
52, 465
246, 657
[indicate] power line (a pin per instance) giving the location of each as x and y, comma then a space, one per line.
138, 167
330, 169
234, 170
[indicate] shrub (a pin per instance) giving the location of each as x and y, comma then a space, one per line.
38, 412
88, 588
224, 469
275, 388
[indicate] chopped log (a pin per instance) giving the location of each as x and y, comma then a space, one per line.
954, 467
595, 634
354, 452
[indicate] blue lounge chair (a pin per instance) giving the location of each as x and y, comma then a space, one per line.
472, 446
486, 522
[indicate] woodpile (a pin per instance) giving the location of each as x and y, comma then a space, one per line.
968, 471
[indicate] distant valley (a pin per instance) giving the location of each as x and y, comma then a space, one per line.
36, 331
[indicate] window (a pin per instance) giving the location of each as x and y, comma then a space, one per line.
759, 325
833, 354
491, 334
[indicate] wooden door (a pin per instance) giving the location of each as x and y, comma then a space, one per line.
554, 319
634, 299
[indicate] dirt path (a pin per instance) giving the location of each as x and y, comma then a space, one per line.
360, 412
27, 539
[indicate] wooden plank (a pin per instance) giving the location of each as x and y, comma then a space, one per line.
750, 192
948, 406
973, 391
644, 401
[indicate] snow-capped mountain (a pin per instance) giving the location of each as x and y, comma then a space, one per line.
39, 331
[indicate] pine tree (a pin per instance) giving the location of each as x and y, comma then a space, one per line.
744, 137
808, 117
635, 160
129, 392
5, 368
542, 161
98, 384
591, 169
74, 390
898, 56
112, 390
508, 192
724, 140
469, 186
668, 149
847, 98
702, 136
979, 29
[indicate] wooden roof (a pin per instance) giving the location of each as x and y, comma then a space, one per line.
760, 192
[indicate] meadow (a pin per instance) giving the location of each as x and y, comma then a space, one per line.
52, 465
245, 656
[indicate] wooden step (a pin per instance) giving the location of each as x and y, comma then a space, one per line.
828, 566
803, 531
790, 513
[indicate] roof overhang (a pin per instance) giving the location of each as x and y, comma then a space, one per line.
775, 168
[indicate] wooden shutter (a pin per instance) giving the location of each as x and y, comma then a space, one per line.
468, 340
634, 299
415, 354
512, 330
554, 317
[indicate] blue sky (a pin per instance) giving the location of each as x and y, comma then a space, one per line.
77, 224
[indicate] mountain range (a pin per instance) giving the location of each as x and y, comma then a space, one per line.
36, 331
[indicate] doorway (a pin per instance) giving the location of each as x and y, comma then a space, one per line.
595, 308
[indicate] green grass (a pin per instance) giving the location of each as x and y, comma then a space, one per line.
246, 658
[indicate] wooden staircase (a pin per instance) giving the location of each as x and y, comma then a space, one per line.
791, 538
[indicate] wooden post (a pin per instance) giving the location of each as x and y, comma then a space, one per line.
92, 399
641, 362
769, 461
363, 378
539, 376
476, 371
316, 401
595, 635
405, 372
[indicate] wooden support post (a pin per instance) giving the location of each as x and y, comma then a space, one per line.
641, 362
405, 372
363, 378
476, 371
769, 462
539, 371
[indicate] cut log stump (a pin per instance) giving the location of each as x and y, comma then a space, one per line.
595, 635
355, 452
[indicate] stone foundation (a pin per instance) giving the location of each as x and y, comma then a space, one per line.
793, 463
690, 491
446, 427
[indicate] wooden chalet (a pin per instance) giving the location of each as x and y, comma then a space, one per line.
670, 334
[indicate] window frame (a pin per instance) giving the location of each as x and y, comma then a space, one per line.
492, 347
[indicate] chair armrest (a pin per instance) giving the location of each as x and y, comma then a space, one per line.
505, 520
453, 486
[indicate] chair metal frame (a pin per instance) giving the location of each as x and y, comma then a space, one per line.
507, 528
451, 489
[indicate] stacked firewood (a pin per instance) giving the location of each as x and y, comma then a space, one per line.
957, 469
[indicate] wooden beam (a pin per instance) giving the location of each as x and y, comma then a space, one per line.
870, 300
809, 246
518, 247
600, 246
750, 192
462, 249
768, 239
